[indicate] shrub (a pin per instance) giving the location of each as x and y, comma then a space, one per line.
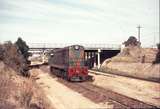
157, 60
11, 56
132, 41
17, 92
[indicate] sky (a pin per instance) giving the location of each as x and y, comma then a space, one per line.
79, 21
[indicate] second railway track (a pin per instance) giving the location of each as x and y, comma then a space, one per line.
97, 72
119, 100
101, 95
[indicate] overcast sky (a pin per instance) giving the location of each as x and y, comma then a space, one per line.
79, 21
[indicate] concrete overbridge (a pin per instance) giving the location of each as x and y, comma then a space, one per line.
97, 57
95, 54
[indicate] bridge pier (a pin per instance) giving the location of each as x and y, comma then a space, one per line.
99, 51
85, 55
94, 63
97, 56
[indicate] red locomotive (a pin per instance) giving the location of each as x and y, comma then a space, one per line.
68, 63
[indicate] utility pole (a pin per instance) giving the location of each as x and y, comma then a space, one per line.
139, 37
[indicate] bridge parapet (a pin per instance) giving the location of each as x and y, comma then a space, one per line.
87, 46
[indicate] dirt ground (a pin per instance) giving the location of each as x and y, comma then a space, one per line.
63, 97
145, 91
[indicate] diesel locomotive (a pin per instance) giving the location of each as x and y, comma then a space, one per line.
69, 63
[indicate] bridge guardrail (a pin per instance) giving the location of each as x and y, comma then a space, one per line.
61, 45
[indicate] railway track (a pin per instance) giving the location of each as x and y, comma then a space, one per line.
137, 101
101, 95
37, 65
119, 101
97, 72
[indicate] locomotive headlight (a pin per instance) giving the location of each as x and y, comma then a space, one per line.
51, 54
76, 47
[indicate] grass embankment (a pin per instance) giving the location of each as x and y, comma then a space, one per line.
17, 89
135, 62
17, 92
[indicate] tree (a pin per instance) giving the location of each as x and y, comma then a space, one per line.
23, 50
22, 47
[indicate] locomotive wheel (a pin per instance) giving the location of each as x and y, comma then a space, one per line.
68, 79
63, 74
58, 72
